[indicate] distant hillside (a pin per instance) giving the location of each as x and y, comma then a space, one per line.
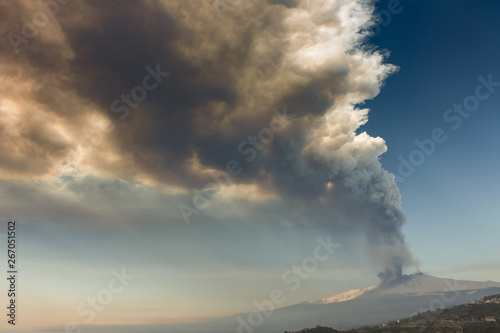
481, 316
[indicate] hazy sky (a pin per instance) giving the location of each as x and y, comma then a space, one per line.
183, 156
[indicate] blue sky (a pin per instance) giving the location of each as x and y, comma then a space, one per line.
441, 48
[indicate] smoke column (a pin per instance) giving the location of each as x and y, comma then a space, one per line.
230, 65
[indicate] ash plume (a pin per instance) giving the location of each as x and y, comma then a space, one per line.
226, 76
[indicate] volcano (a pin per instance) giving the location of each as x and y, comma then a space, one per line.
391, 300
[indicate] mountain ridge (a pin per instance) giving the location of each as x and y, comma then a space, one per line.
413, 284
393, 300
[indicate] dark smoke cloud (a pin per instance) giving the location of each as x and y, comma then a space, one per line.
225, 77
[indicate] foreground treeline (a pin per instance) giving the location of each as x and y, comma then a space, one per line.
317, 329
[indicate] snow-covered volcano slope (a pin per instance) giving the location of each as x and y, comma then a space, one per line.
415, 284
